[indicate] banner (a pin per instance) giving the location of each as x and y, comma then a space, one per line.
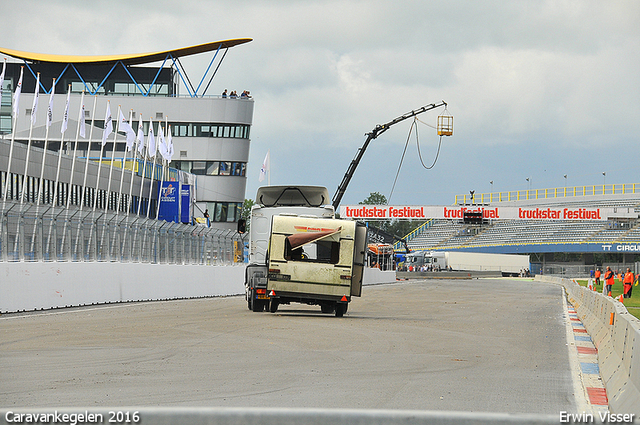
457, 212
168, 198
186, 210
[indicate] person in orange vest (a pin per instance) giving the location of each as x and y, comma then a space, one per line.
608, 280
629, 278
597, 276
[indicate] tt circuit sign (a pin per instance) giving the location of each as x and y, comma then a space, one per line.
385, 212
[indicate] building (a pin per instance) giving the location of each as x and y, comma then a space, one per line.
210, 133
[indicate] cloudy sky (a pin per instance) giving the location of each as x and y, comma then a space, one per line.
538, 89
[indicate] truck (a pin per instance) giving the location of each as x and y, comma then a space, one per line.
299, 252
508, 264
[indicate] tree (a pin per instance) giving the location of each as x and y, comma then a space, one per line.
246, 211
374, 198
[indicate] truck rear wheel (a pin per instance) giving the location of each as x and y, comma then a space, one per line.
341, 309
328, 308
274, 306
257, 305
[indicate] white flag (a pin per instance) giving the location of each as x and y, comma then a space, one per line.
152, 141
50, 108
169, 144
108, 125
83, 124
123, 125
65, 120
4, 68
34, 108
16, 95
265, 167
140, 136
162, 145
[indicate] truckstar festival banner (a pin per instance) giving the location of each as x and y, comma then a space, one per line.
385, 212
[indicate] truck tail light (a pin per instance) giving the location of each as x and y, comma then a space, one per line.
274, 270
261, 291
345, 277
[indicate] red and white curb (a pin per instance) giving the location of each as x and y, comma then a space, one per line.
581, 347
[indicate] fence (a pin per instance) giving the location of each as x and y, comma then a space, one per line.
45, 233
581, 271
557, 192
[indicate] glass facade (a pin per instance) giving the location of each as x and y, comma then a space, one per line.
212, 168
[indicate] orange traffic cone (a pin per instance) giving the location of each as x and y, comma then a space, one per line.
621, 298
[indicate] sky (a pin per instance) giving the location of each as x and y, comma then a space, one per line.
538, 89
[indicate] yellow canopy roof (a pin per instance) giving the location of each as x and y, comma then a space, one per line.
130, 59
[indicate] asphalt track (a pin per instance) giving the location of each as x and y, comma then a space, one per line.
488, 345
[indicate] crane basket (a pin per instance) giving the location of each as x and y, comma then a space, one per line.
445, 125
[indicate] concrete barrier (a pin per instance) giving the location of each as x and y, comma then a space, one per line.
616, 335
40, 286
449, 275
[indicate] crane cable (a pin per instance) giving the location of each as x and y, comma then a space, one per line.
413, 124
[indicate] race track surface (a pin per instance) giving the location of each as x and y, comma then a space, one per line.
489, 345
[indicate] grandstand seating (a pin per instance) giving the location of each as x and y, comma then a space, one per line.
452, 234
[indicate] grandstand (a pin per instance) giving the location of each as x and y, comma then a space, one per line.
619, 236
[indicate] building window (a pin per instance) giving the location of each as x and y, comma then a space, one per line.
225, 168
199, 168
212, 168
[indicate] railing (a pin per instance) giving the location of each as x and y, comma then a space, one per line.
57, 234
557, 192
398, 246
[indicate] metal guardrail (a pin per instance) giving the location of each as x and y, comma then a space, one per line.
271, 416
549, 193
36, 234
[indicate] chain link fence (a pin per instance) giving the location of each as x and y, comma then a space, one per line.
581, 271
45, 233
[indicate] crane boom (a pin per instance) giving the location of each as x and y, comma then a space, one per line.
378, 130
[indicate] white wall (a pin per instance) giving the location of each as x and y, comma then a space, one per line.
37, 286
34, 286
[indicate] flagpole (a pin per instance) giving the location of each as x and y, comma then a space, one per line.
16, 111
103, 143
144, 173
63, 129
106, 204
162, 176
73, 166
75, 148
153, 165
139, 138
134, 163
86, 168
46, 140
86, 162
144, 167
124, 163
34, 109
33, 119
44, 156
